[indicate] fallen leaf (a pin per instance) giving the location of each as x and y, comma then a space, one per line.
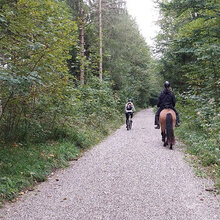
15, 145
209, 189
31, 189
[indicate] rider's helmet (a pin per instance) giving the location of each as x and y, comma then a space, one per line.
130, 100
166, 84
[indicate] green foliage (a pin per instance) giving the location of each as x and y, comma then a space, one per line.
200, 130
191, 53
35, 40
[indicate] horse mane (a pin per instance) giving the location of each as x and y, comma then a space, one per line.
169, 129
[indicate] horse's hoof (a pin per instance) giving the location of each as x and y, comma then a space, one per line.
171, 147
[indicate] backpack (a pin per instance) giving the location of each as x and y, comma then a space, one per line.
129, 106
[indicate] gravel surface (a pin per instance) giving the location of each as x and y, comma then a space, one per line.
130, 175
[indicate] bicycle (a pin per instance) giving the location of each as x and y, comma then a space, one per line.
129, 122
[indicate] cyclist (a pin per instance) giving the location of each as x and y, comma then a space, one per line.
166, 100
129, 109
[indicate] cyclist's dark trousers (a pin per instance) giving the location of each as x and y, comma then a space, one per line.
127, 115
156, 122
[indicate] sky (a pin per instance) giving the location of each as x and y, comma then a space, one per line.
146, 15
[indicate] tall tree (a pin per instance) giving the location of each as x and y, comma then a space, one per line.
82, 43
127, 58
79, 14
100, 40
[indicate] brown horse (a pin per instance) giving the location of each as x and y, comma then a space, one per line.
167, 122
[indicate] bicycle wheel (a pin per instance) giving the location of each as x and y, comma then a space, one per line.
128, 124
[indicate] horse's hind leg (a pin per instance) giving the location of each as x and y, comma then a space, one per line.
164, 139
165, 144
163, 136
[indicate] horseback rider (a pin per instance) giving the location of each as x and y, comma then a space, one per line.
166, 100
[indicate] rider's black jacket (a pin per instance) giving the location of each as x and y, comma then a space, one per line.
166, 99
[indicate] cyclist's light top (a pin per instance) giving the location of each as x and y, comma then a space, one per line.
129, 107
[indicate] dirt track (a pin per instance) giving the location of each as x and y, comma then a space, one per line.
130, 175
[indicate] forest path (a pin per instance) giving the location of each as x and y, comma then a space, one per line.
129, 176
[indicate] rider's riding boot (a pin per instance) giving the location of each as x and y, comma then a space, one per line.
158, 126
177, 122
157, 122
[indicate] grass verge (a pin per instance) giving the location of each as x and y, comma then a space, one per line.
23, 166
203, 150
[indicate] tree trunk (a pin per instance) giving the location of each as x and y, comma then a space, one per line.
100, 40
82, 46
0, 105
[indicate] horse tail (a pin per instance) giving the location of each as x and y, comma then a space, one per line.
169, 129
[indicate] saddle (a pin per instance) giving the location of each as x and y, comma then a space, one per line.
167, 106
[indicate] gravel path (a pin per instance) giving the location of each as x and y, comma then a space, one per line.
129, 176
